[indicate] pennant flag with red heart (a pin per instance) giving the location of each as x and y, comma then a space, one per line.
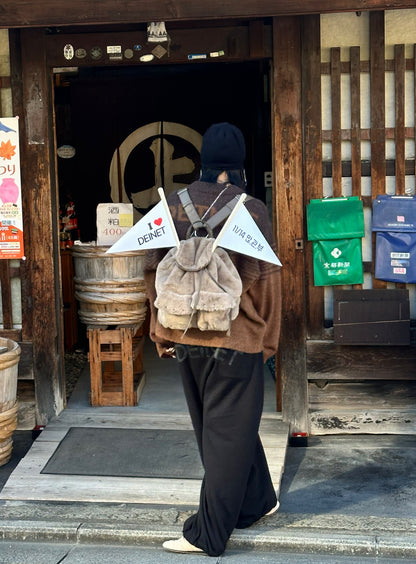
154, 230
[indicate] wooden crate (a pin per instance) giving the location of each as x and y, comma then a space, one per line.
110, 349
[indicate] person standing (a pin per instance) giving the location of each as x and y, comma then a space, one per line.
222, 373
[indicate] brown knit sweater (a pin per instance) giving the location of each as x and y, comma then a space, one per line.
257, 326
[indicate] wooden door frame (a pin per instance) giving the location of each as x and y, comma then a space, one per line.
42, 302
288, 186
41, 279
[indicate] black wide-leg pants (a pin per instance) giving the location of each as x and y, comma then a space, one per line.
224, 390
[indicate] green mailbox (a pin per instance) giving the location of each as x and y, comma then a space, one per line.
336, 226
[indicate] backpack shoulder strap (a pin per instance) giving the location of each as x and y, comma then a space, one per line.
213, 221
223, 213
189, 208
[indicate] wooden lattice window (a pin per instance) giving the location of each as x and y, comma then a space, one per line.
376, 157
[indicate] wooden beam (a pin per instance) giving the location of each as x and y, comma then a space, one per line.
40, 231
235, 42
256, 38
287, 171
365, 134
364, 169
13, 334
32, 13
328, 361
364, 66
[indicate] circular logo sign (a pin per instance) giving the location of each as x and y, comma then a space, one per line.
66, 151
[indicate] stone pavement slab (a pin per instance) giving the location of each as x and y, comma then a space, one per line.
268, 535
56, 553
341, 497
356, 475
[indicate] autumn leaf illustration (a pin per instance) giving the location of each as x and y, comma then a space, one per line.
7, 150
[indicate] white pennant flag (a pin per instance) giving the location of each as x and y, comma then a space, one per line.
155, 230
242, 235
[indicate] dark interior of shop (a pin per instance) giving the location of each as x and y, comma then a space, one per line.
98, 107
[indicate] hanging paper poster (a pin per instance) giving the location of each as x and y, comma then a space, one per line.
11, 220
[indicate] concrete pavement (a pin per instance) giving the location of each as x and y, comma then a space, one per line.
342, 496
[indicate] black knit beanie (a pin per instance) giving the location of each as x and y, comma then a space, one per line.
223, 147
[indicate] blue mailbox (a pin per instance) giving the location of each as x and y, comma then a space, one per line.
394, 221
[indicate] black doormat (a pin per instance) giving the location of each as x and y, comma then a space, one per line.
139, 453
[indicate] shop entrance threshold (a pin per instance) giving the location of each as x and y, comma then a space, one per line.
162, 406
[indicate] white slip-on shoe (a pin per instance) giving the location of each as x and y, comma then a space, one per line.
182, 546
273, 510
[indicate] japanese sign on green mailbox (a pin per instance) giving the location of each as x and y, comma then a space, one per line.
336, 225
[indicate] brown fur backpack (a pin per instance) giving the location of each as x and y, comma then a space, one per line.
197, 286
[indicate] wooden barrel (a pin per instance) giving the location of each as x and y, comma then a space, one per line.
9, 362
109, 288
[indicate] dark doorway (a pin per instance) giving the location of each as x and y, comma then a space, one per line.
97, 108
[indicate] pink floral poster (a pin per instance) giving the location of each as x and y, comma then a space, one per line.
11, 221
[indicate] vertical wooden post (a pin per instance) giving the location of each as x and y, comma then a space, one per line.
414, 99
377, 102
6, 294
336, 121
40, 227
399, 131
355, 92
94, 355
355, 121
17, 100
6, 291
377, 93
399, 124
287, 171
127, 365
377, 110
312, 155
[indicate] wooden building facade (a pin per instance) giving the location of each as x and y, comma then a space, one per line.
267, 57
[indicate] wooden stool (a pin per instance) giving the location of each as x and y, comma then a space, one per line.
122, 343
